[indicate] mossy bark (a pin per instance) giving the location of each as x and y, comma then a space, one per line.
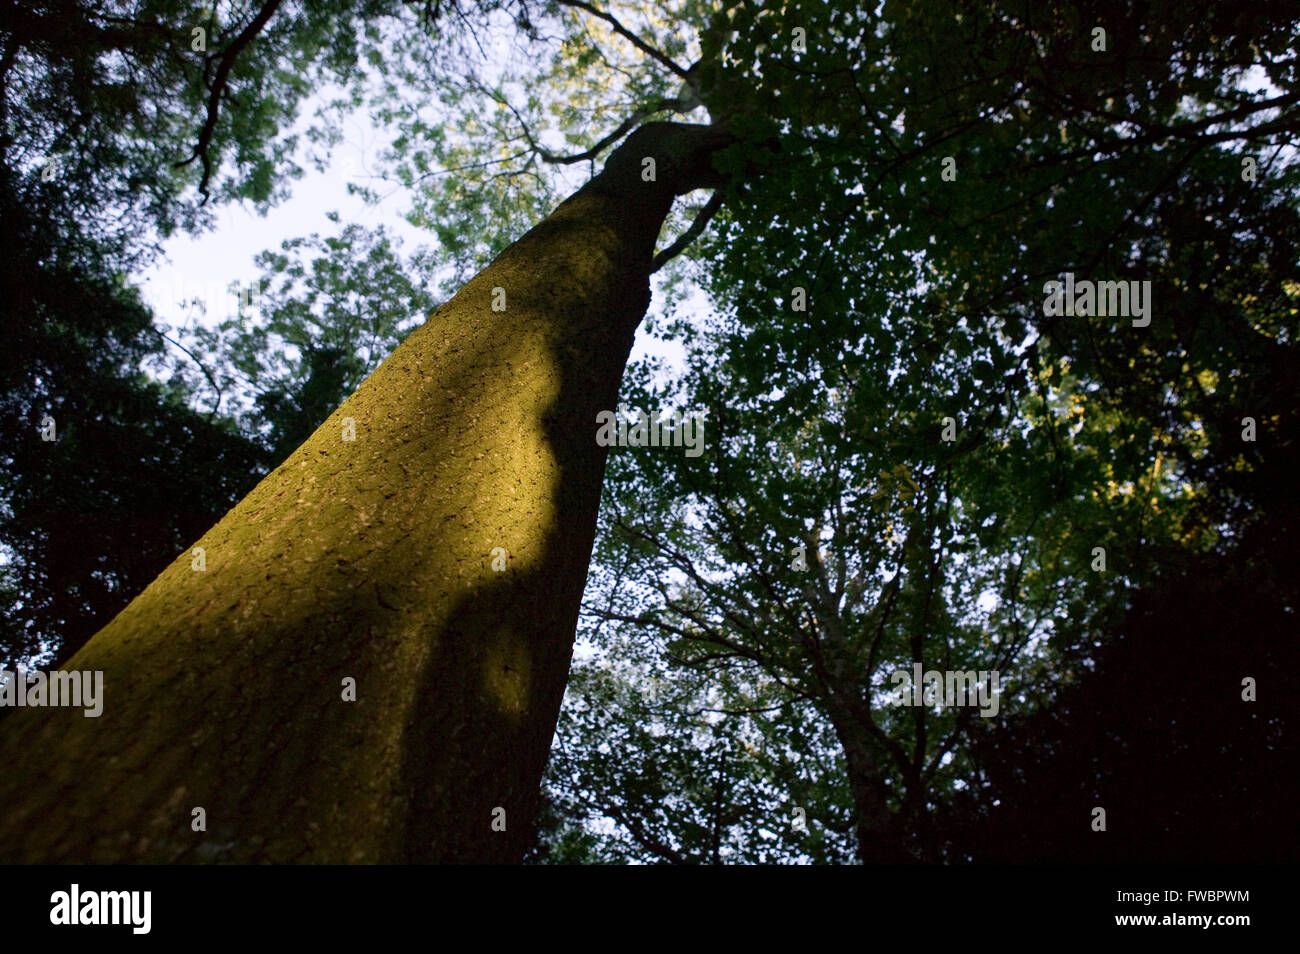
372, 560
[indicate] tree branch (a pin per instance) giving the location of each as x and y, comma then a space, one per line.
628, 35
202, 367
623, 128
219, 82
690, 235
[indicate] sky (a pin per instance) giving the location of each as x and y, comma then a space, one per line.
204, 265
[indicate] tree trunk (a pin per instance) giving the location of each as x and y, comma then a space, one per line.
879, 840
372, 560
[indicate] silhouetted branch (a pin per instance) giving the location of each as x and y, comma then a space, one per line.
690, 235
224, 66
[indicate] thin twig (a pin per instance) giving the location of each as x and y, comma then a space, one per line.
202, 367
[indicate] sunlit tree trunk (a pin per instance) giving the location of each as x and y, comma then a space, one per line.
372, 560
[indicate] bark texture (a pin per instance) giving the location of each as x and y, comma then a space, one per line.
372, 560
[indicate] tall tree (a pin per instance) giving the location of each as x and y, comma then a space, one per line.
368, 563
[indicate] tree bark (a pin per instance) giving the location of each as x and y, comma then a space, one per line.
879, 840
372, 560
